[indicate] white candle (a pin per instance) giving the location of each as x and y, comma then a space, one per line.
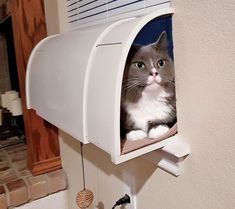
16, 107
11, 95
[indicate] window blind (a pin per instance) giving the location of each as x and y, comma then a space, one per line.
81, 13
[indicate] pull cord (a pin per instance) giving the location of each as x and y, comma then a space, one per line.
83, 169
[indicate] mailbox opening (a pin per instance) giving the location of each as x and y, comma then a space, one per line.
149, 34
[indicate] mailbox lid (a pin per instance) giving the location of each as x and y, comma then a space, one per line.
56, 76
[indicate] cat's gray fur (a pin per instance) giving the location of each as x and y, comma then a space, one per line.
148, 91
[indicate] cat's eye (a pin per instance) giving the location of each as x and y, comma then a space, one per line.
139, 65
161, 63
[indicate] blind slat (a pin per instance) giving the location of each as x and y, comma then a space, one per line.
81, 13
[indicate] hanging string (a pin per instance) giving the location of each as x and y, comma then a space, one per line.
83, 169
85, 197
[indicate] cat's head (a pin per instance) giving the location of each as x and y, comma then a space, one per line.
148, 67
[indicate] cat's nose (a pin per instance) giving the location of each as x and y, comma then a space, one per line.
154, 74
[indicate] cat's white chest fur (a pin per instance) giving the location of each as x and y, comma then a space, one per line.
150, 107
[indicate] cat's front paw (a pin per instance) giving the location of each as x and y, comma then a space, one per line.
158, 131
135, 135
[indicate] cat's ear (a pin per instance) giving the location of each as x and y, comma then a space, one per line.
161, 43
134, 48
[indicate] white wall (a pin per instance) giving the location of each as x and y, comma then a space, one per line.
204, 59
55, 12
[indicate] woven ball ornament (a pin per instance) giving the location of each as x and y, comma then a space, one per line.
84, 198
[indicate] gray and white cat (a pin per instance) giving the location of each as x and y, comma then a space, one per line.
148, 91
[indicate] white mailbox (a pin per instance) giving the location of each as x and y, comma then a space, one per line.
74, 81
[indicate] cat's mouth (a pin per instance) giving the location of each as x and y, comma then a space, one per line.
154, 86
152, 80
154, 83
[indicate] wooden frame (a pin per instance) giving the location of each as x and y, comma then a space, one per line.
29, 27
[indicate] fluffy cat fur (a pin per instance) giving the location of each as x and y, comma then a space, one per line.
148, 91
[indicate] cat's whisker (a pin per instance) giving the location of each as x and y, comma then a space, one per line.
131, 84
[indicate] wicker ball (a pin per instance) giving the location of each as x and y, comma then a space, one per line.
84, 198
